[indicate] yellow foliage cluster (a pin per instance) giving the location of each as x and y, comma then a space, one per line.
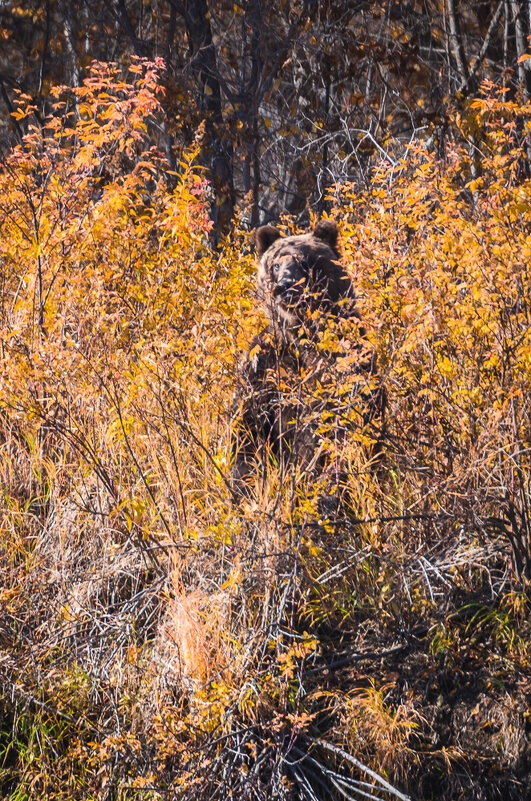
116, 320
441, 248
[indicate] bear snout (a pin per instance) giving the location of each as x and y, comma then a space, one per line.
288, 290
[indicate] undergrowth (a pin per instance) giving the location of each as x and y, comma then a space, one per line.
162, 636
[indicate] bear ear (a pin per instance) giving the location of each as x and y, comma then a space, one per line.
264, 238
326, 231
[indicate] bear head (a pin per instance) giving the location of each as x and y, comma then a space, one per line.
298, 275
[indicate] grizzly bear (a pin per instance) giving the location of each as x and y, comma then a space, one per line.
296, 394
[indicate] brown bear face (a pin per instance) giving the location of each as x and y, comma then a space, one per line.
301, 274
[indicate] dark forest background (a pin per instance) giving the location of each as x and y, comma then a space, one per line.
296, 95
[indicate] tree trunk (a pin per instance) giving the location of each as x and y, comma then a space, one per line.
456, 42
217, 146
520, 32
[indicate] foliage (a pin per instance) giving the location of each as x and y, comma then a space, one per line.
116, 353
162, 635
296, 94
450, 310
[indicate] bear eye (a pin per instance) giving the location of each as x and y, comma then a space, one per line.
275, 269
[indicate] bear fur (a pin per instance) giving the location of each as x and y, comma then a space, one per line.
289, 376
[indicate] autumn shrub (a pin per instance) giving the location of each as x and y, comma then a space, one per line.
441, 248
114, 312
119, 334
165, 635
